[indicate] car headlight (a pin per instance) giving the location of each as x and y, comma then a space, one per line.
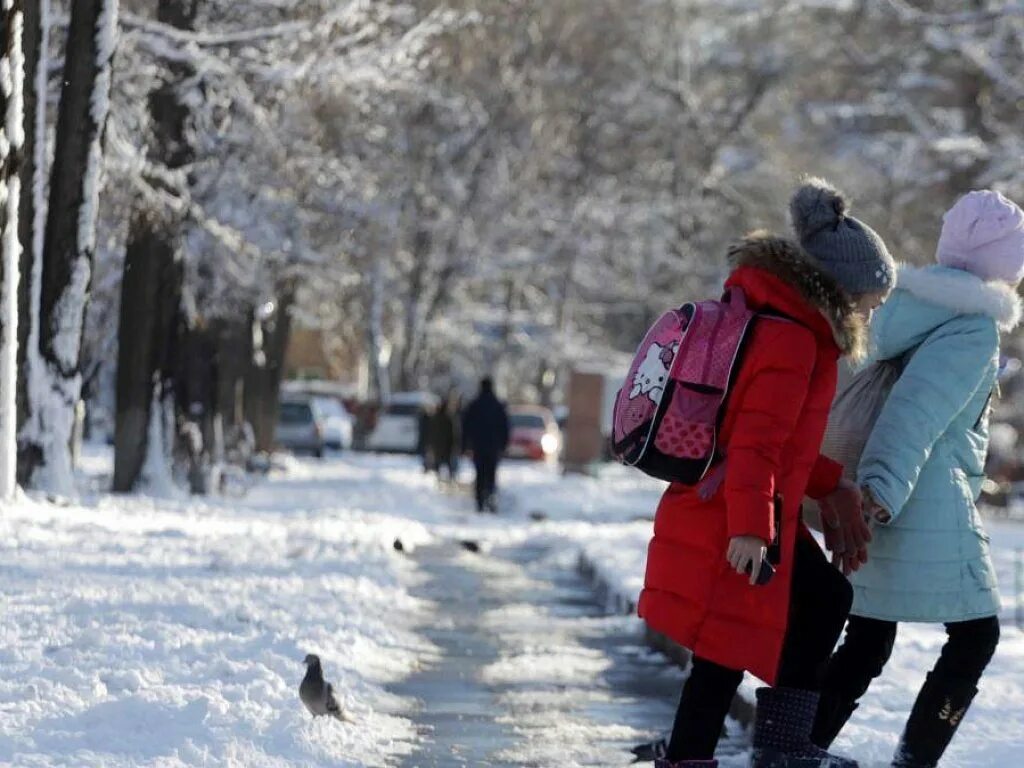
548, 443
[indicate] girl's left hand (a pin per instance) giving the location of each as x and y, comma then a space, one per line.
747, 552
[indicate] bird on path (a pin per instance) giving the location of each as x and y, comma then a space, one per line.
318, 695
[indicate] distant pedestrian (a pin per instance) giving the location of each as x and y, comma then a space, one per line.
486, 433
446, 435
921, 472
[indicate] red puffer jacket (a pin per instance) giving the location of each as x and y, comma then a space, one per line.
771, 432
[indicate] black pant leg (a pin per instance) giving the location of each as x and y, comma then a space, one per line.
861, 658
969, 648
703, 707
494, 476
480, 482
486, 474
820, 602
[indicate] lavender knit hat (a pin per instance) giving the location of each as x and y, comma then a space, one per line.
984, 234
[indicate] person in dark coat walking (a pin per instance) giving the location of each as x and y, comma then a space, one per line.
485, 433
446, 434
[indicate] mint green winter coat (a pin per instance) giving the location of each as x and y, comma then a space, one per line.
925, 458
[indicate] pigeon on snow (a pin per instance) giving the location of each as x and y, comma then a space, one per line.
318, 695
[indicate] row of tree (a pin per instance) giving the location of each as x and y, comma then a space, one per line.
442, 186
204, 232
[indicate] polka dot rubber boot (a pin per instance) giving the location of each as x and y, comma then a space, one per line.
782, 732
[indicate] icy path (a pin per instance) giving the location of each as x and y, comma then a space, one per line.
529, 671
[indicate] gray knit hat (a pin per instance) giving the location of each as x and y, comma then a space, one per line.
845, 247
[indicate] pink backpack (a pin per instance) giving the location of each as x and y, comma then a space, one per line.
667, 413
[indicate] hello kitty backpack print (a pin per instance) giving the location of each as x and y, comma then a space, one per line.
667, 413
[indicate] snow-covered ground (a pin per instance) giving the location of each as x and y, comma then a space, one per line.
170, 632
138, 631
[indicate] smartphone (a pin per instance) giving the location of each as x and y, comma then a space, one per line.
765, 575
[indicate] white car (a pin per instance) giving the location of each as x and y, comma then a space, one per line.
398, 425
337, 423
298, 428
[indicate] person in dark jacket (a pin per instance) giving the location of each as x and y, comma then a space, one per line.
485, 433
446, 434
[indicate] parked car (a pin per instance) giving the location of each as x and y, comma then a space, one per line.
534, 434
338, 425
298, 428
398, 423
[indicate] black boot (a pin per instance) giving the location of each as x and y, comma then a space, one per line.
782, 732
662, 763
937, 713
833, 713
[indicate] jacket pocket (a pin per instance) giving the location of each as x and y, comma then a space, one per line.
968, 485
982, 575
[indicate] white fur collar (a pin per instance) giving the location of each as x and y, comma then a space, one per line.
963, 292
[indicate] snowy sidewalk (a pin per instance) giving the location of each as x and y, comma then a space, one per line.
530, 671
142, 632
171, 632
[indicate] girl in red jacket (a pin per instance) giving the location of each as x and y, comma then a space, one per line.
706, 541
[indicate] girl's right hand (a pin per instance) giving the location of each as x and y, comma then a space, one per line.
873, 511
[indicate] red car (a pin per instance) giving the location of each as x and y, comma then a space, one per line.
535, 434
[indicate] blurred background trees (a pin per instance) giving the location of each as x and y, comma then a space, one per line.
435, 189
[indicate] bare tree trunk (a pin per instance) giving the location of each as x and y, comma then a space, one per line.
379, 378
31, 218
547, 376
263, 384
69, 241
10, 197
412, 349
147, 360
146, 334
232, 360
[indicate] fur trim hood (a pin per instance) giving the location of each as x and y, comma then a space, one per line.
785, 260
963, 293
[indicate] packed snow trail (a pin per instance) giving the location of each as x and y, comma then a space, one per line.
529, 671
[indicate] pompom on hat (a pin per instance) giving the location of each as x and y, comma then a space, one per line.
845, 247
983, 233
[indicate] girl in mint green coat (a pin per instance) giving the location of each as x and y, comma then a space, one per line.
922, 470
